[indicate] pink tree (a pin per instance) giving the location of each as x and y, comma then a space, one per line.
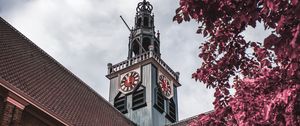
266, 74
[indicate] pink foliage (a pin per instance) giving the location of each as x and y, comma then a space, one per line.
267, 81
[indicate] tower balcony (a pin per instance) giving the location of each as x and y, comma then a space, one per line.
147, 56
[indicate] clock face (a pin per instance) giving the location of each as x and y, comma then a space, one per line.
129, 81
165, 85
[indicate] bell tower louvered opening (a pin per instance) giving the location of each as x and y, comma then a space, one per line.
159, 101
171, 110
139, 98
120, 103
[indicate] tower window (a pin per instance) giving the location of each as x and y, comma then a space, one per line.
139, 98
135, 48
159, 100
146, 43
146, 22
120, 103
171, 110
139, 21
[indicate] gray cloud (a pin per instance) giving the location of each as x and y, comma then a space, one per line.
86, 35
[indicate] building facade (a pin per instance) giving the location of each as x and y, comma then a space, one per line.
143, 87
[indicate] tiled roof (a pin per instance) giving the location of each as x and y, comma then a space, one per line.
38, 77
184, 122
187, 121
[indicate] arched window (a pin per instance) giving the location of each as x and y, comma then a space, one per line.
146, 22
146, 43
139, 22
135, 48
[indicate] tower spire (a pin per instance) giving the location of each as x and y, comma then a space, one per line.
143, 33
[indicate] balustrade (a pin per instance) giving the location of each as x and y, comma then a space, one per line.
138, 59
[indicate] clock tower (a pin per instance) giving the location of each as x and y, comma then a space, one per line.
144, 87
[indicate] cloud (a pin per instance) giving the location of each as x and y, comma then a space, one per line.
86, 35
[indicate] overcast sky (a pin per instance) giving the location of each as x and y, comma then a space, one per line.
85, 35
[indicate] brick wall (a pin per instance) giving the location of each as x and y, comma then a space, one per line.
11, 115
30, 120
15, 112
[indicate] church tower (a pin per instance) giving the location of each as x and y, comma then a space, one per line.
144, 87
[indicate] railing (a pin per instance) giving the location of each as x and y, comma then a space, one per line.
137, 59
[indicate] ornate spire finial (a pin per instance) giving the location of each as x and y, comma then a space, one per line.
144, 6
